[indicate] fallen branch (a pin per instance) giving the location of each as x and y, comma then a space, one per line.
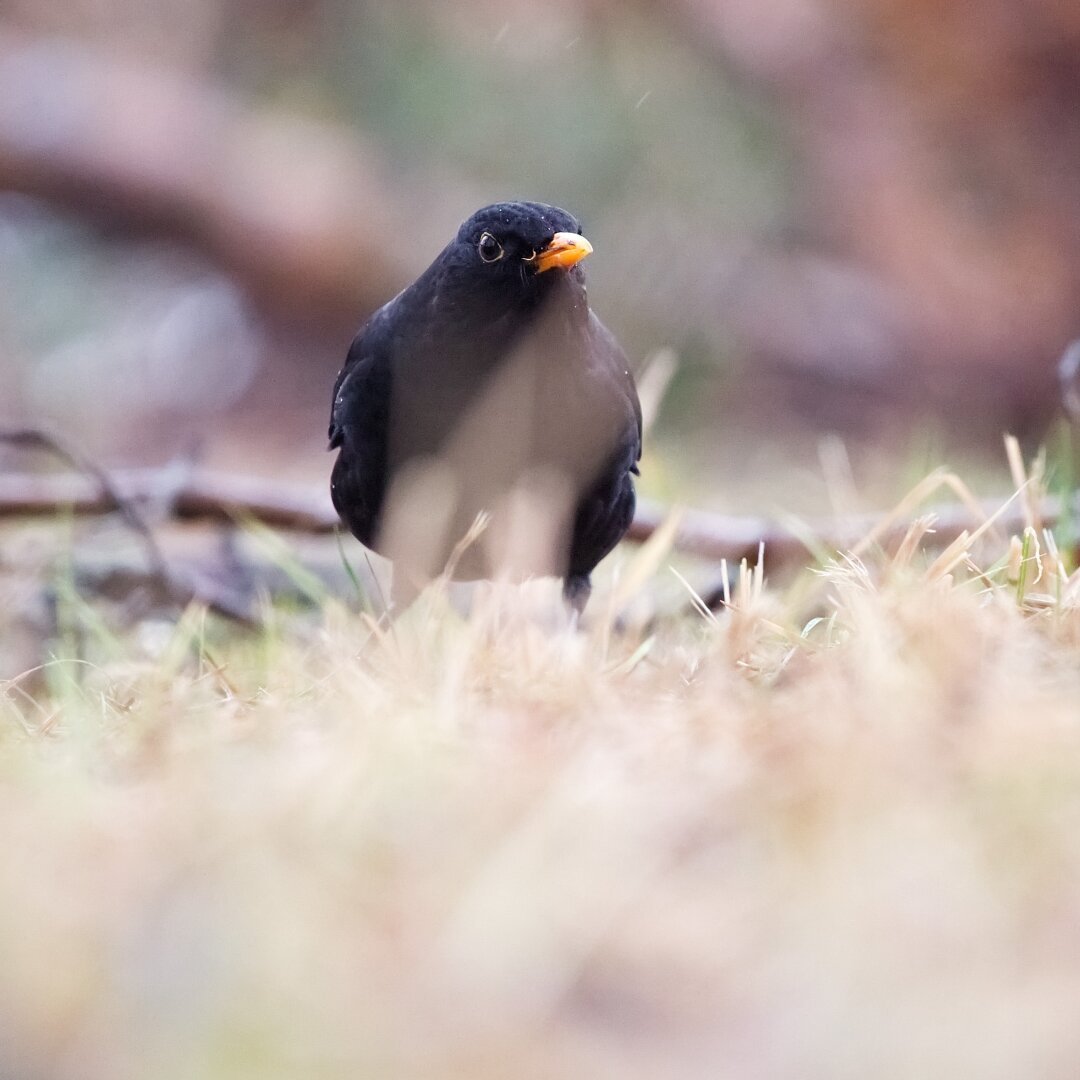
720, 536
200, 495
229, 498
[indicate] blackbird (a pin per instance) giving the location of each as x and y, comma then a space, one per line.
491, 373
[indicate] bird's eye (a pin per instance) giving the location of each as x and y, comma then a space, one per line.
490, 249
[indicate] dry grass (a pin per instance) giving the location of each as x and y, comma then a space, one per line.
832, 832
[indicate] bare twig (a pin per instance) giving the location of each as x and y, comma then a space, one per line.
182, 586
39, 439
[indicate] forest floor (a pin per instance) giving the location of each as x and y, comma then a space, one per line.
830, 830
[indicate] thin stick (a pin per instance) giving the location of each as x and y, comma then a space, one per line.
182, 588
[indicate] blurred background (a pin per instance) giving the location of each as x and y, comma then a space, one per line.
846, 218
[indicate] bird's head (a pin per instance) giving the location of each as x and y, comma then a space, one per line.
519, 250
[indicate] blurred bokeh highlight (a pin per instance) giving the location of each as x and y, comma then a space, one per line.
855, 218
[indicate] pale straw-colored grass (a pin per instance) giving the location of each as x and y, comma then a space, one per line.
833, 831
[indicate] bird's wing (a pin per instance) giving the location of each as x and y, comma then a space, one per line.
355, 362
614, 368
363, 365
359, 424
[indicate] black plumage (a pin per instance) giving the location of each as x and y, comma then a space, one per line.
491, 370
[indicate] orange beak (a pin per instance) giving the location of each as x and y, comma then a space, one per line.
565, 249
